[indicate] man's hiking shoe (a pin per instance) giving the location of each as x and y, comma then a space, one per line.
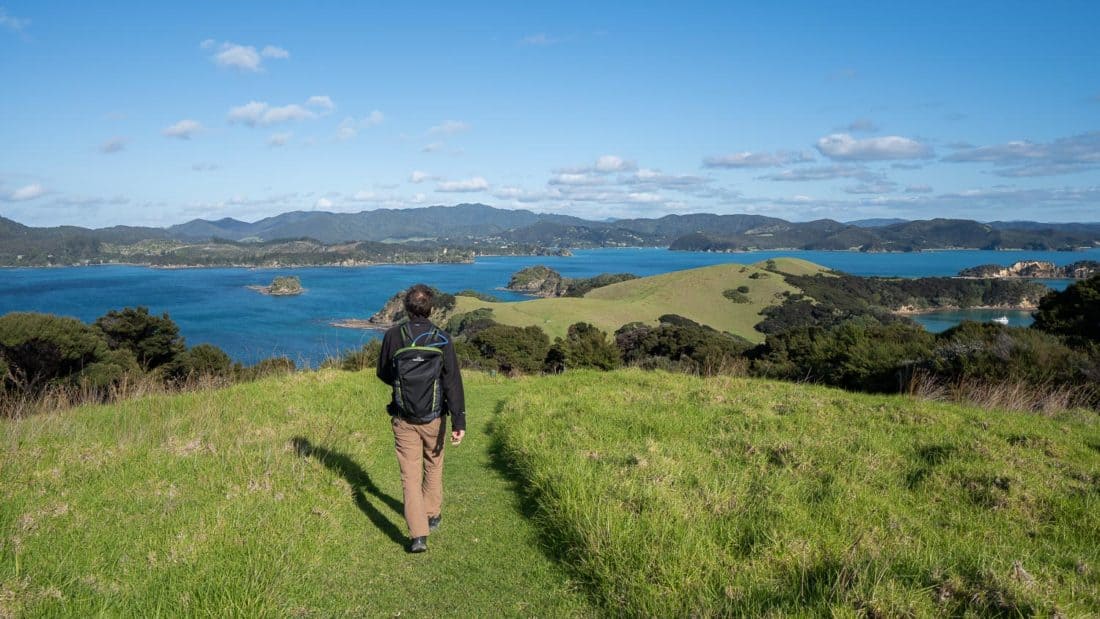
433, 522
419, 544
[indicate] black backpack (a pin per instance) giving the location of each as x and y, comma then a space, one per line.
417, 368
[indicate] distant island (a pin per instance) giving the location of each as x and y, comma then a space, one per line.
542, 281
284, 286
1035, 269
460, 233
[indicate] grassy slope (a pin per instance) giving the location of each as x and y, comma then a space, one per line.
204, 504
675, 496
663, 494
694, 293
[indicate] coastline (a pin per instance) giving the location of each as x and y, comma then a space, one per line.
913, 311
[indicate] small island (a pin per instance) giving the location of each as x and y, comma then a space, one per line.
285, 286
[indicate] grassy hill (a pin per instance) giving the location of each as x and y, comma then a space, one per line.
589, 493
694, 293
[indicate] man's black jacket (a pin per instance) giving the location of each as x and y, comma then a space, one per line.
454, 399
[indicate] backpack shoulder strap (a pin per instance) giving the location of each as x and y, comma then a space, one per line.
406, 336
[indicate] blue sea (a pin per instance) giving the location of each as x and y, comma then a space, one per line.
215, 306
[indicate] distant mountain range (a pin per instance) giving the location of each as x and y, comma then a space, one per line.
485, 229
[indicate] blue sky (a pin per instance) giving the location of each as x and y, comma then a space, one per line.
156, 113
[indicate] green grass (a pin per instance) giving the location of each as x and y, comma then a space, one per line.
693, 293
212, 503
675, 496
621, 493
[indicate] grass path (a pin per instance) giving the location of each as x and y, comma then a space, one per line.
273, 498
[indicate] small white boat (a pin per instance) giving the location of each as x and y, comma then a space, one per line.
1001, 320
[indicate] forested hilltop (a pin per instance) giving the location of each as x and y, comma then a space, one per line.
457, 233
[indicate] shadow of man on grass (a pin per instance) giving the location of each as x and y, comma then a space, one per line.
359, 481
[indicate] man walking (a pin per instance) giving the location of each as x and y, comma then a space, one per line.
419, 362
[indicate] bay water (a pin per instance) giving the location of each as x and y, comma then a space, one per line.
215, 305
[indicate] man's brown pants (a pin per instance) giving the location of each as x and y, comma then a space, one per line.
420, 456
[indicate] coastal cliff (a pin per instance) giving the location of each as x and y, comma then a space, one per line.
1037, 269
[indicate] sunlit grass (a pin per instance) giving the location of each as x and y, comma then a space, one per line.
279, 497
673, 496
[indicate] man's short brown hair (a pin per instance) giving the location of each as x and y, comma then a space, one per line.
418, 301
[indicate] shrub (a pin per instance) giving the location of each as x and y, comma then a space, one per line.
109, 370
363, 358
686, 346
204, 360
743, 289
994, 353
481, 296
584, 346
470, 323
39, 348
759, 275
860, 354
154, 340
1073, 312
513, 348
735, 295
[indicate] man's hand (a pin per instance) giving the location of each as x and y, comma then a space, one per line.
457, 436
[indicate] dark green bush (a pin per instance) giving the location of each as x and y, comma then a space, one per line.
363, 358
995, 353
204, 360
40, 348
470, 323
743, 289
1073, 313
735, 295
513, 348
154, 340
584, 346
110, 369
682, 344
860, 354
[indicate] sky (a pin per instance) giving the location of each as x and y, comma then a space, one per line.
156, 113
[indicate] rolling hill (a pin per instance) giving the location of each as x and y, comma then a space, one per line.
695, 294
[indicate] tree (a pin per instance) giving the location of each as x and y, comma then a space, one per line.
1073, 312
202, 360
584, 346
513, 348
154, 340
39, 348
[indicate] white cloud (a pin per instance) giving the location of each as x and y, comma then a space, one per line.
862, 125
605, 164
242, 57
350, 127
872, 188
13, 23
577, 179
918, 189
285, 113
279, 139
824, 173
364, 196
449, 127
27, 192
260, 113
613, 163
183, 130
323, 102
322, 203
418, 176
844, 147
271, 51
113, 145
540, 39
476, 183
759, 159
1068, 155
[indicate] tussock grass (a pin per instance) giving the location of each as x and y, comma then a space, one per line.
671, 495
273, 498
